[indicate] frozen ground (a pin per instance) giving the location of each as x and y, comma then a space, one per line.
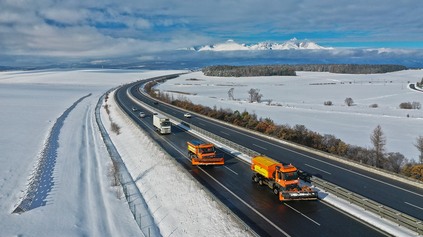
300, 100
54, 160
73, 189
51, 147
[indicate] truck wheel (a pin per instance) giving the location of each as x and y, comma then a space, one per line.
260, 182
275, 190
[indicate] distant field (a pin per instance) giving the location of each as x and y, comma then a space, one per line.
301, 100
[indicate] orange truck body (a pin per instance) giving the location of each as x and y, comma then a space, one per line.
202, 153
282, 179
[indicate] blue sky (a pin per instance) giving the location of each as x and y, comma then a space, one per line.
109, 28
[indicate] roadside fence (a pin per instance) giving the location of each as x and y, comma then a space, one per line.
136, 201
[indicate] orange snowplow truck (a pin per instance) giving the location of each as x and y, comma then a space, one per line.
282, 179
202, 153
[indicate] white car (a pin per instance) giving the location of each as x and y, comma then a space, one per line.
187, 115
142, 114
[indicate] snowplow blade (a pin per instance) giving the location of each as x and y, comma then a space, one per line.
208, 161
291, 196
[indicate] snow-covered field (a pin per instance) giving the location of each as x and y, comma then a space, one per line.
74, 197
300, 100
49, 134
50, 144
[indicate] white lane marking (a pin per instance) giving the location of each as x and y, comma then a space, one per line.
354, 172
260, 146
317, 169
246, 204
230, 170
225, 133
421, 208
325, 162
315, 222
202, 124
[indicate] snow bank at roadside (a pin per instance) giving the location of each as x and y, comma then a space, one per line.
179, 204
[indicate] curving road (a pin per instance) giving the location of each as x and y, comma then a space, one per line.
232, 184
403, 197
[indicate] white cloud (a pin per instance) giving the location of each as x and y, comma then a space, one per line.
111, 28
142, 24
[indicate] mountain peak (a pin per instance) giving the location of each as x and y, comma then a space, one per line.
292, 44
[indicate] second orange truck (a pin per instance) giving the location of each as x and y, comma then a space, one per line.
282, 179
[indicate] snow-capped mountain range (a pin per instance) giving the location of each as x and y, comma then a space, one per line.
231, 45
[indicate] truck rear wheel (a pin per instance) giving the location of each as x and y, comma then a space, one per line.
260, 182
255, 178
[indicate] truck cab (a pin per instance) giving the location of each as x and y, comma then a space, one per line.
286, 176
162, 124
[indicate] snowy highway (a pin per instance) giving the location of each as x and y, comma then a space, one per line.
382, 189
50, 114
231, 183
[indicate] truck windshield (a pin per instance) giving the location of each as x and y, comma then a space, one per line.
166, 123
290, 176
207, 150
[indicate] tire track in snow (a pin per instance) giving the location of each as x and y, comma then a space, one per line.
41, 180
96, 219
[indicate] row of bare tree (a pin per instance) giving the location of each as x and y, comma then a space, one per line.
375, 156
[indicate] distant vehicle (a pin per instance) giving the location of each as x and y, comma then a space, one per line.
134, 109
162, 124
156, 103
142, 114
187, 115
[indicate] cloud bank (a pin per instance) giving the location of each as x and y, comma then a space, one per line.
73, 30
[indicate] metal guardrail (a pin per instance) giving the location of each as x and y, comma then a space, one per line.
385, 212
247, 228
226, 142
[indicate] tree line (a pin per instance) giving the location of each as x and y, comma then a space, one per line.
290, 70
375, 156
350, 68
249, 71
